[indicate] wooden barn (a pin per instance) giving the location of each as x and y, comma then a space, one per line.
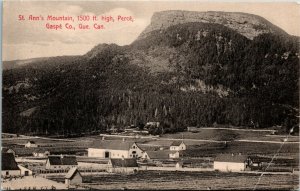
9, 166
73, 177
124, 166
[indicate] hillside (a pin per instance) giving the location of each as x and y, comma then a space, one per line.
187, 74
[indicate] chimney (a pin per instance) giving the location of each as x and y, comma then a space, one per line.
61, 156
240, 154
103, 138
122, 157
232, 154
124, 140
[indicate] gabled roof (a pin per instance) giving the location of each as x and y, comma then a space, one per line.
128, 162
5, 150
8, 162
176, 143
238, 158
72, 172
161, 154
65, 160
112, 144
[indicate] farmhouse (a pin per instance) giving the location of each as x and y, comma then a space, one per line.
9, 166
231, 162
115, 149
31, 144
73, 177
178, 146
160, 155
40, 153
123, 165
61, 162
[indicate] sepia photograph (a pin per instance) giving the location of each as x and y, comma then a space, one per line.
150, 95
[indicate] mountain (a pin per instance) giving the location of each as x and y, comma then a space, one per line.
191, 73
248, 25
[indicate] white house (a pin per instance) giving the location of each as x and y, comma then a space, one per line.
114, 149
31, 144
178, 146
9, 166
230, 162
61, 162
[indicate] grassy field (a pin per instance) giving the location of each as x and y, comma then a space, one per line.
191, 181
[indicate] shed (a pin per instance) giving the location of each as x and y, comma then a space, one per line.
25, 171
73, 177
230, 162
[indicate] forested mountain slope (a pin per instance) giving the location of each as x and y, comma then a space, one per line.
186, 74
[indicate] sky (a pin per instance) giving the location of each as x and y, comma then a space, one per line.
30, 39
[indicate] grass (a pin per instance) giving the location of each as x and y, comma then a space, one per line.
190, 181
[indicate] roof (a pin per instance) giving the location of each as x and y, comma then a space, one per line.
128, 162
65, 160
161, 154
112, 144
8, 162
176, 143
237, 158
40, 150
5, 150
72, 172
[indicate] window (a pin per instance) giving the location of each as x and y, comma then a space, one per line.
133, 147
133, 152
7, 172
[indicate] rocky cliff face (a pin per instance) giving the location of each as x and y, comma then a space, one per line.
248, 25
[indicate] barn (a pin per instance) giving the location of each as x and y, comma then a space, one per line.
9, 166
231, 162
61, 162
160, 155
73, 177
114, 149
124, 166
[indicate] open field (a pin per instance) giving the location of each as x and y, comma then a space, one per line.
191, 181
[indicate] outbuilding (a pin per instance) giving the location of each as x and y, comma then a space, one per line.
73, 177
124, 165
